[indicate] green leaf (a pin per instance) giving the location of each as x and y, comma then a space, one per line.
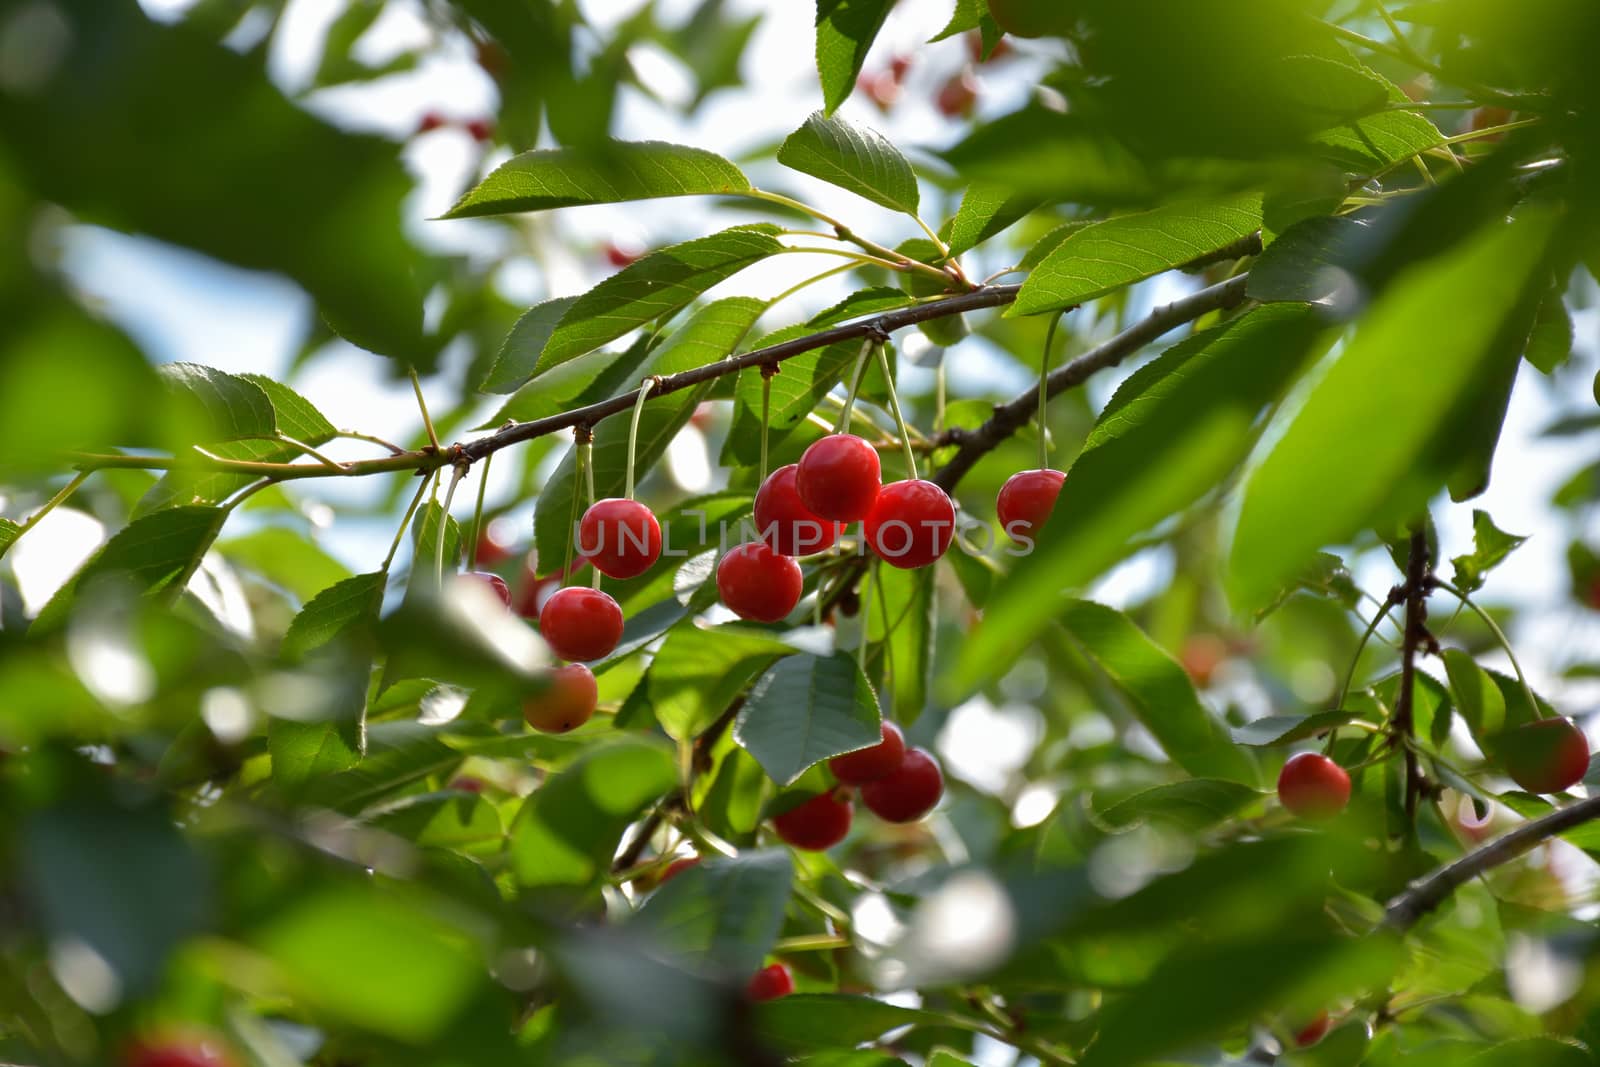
1310, 261
725, 912
845, 31
802, 1022
1192, 805
1179, 426
121, 881
518, 360
399, 754
389, 962
568, 829
852, 157
1208, 989
338, 612
1158, 692
1051, 241
229, 407
286, 558
302, 751
1490, 546
1550, 342
712, 334
425, 553
295, 417
804, 710
972, 15
283, 191
9, 532
1287, 729
451, 819
698, 672
1431, 339
1108, 255
610, 173
1374, 142
575, 383
656, 286
1478, 698
909, 601
152, 554
985, 211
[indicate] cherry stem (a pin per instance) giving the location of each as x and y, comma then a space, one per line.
894, 407
477, 515
855, 384
586, 463
48, 506
766, 414
1355, 660
405, 523
865, 614
427, 422
444, 525
1499, 635
633, 437
1044, 393
580, 433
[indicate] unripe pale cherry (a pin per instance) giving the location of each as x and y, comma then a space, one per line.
911, 524
1313, 786
581, 624
838, 477
566, 704
1544, 756
818, 824
620, 537
869, 764
770, 983
908, 792
758, 584
1026, 500
783, 520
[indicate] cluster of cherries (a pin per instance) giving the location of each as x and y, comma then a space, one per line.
896, 783
1542, 756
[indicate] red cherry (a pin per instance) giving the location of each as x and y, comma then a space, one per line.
1026, 500
677, 867
770, 983
957, 97
566, 704
817, 825
1202, 655
1544, 756
908, 792
620, 537
495, 583
758, 584
430, 121
581, 624
784, 521
466, 784
1313, 1031
899, 66
491, 550
619, 256
870, 764
480, 130
1312, 786
186, 1048
912, 523
838, 477
1591, 592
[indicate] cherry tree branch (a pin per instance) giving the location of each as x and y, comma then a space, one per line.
1014, 414
1416, 637
1431, 890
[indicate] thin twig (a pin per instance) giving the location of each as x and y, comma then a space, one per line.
1011, 416
1429, 891
1416, 637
